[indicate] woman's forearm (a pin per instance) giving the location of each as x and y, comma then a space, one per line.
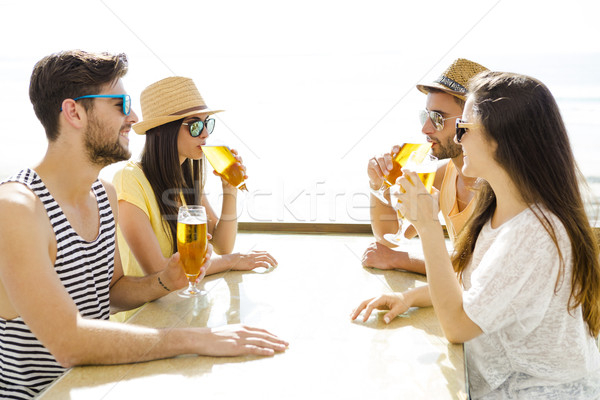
444, 288
418, 297
222, 263
225, 229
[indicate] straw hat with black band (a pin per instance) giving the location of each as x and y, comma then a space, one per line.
168, 100
455, 78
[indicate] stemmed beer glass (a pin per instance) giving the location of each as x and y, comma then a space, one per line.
192, 245
398, 161
425, 165
223, 161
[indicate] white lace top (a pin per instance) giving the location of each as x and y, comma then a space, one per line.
531, 348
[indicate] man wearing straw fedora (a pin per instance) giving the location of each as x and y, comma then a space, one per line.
60, 270
445, 101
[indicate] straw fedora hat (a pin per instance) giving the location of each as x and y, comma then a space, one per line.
168, 100
455, 78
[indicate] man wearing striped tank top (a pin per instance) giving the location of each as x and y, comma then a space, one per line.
60, 270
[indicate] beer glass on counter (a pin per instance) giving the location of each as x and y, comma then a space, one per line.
223, 161
425, 165
192, 245
398, 162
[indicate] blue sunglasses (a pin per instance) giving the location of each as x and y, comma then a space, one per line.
125, 97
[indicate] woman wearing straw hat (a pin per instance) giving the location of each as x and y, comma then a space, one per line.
170, 172
522, 290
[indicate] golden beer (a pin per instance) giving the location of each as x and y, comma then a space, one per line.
400, 159
425, 165
192, 246
427, 178
224, 162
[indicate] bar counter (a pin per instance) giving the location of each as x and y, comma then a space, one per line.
306, 300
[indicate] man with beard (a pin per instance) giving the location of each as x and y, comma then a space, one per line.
445, 101
60, 269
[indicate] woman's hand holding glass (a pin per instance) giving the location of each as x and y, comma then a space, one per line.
238, 165
384, 170
227, 164
419, 173
414, 201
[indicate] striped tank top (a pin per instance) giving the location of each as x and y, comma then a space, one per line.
84, 268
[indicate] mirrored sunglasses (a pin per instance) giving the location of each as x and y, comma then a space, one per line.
436, 118
196, 127
125, 98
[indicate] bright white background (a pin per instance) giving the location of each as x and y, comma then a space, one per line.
312, 89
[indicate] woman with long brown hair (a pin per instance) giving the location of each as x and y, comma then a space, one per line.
522, 290
176, 123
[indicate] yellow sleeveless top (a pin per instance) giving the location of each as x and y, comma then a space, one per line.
132, 186
455, 220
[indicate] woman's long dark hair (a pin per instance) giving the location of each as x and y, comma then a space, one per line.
520, 114
169, 179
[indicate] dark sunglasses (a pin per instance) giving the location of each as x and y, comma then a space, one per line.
124, 97
436, 118
461, 128
196, 127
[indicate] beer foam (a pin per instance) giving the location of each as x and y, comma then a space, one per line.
192, 220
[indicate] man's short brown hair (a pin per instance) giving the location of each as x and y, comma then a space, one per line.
70, 74
457, 99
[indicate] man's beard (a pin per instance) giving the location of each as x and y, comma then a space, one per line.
447, 150
99, 150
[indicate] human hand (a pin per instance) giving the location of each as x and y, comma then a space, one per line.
395, 302
207, 260
238, 340
252, 260
380, 166
174, 277
378, 255
414, 202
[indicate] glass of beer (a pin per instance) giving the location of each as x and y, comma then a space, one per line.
192, 245
425, 165
399, 160
223, 161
